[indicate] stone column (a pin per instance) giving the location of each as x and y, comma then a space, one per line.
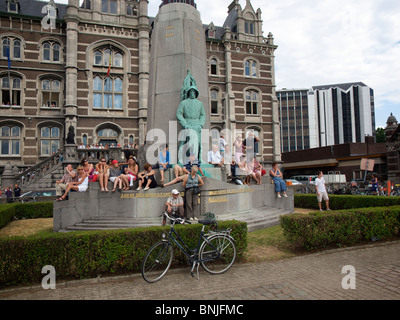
178, 45
144, 70
71, 68
277, 156
7, 178
230, 96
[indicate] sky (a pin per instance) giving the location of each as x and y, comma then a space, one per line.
324, 42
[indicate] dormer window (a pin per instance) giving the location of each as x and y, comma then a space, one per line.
210, 32
12, 6
249, 27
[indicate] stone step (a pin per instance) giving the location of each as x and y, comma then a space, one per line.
255, 219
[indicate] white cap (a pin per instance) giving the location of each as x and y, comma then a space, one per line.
175, 191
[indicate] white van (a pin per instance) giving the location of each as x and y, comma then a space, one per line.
305, 179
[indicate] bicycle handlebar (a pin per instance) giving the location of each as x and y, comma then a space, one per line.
180, 220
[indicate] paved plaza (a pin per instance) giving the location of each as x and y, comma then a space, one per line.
311, 277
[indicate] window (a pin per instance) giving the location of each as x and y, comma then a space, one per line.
13, 6
51, 51
86, 4
215, 136
108, 133
251, 102
107, 86
257, 134
10, 141
103, 57
131, 10
51, 92
107, 92
85, 140
249, 27
11, 46
109, 6
250, 68
214, 67
214, 101
14, 90
49, 140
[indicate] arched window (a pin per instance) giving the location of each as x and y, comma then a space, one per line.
15, 91
49, 140
107, 133
250, 141
250, 68
108, 80
214, 99
252, 101
84, 140
98, 57
11, 47
51, 93
17, 49
214, 67
51, 51
108, 136
10, 140
105, 56
118, 60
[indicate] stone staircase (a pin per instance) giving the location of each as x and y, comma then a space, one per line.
256, 219
48, 180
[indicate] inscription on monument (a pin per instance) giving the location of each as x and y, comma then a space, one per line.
169, 31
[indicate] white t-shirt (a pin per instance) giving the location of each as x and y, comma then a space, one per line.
320, 184
214, 157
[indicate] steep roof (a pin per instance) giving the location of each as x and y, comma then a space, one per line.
33, 8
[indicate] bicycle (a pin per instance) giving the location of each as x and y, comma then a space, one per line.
215, 251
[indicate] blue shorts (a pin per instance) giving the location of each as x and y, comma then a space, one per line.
160, 167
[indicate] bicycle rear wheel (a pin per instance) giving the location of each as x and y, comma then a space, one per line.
217, 254
157, 261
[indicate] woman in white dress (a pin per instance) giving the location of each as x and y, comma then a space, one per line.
81, 185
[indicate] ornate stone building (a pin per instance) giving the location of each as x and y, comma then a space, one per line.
392, 132
89, 71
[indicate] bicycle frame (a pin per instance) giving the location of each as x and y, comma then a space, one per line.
191, 254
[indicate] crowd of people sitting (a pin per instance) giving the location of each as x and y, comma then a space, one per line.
241, 167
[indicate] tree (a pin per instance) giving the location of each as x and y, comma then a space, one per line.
380, 135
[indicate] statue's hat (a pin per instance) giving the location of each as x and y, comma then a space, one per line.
192, 88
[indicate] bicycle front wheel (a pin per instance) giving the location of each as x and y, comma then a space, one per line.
217, 254
157, 261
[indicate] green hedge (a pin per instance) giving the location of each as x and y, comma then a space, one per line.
338, 228
89, 254
339, 202
32, 210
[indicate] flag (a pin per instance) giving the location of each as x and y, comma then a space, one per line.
8, 58
109, 67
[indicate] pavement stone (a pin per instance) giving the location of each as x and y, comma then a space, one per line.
310, 277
